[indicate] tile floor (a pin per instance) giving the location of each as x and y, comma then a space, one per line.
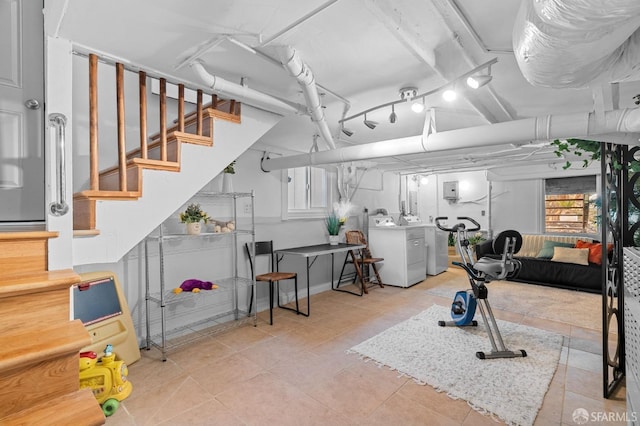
296, 372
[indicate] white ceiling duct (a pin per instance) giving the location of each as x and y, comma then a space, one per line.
301, 71
544, 128
245, 94
576, 43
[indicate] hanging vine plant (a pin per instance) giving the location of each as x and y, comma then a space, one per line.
578, 147
588, 149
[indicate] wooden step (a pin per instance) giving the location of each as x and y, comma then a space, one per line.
109, 179
36, 298
76, 408
208, 116
24, 251
39, 363
153, 151
84, 206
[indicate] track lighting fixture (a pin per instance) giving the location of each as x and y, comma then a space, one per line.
449, 95
346, 131
477, 81
370, 124
418, 107
473, 78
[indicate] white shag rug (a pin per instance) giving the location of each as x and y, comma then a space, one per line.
444, 357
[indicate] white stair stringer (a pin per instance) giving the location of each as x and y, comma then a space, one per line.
123, 224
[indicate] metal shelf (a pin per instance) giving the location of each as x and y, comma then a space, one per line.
172, 337
201, 235
224, 285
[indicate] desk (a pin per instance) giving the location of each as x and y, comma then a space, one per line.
313, 252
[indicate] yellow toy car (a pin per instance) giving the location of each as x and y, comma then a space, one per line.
107, 378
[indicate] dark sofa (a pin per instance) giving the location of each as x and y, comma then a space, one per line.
546, 272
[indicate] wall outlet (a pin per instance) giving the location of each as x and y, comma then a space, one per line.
247, 208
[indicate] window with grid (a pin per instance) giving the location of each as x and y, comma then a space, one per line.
571, 205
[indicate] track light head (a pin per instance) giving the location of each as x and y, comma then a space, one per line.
478, 81
449, 95
370, 124
418, 107
346, 131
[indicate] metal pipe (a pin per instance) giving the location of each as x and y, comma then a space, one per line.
243, 93
59, 207
301, 71
543, 128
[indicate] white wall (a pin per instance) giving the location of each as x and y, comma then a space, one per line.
515, 204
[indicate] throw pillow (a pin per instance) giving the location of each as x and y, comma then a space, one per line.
547, 248
595, 250
579, 256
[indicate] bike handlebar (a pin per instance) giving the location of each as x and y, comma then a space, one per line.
457, 226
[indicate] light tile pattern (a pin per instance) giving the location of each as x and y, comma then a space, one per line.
296, 372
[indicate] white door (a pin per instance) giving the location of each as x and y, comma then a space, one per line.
21, 111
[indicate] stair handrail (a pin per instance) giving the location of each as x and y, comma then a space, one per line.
60, 206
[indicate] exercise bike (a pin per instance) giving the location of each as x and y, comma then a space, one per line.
480, 273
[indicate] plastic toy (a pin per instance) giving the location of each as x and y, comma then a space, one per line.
194, 286
107, 378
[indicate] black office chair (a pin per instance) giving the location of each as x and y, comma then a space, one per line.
266, 248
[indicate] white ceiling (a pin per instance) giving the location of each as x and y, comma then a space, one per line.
360, 51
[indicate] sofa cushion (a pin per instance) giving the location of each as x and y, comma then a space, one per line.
579, 256
547, 248
595, 250
532, 243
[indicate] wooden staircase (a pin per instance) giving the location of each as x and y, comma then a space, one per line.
39, 345
161, 151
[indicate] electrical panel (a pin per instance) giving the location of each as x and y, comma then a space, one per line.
450, 190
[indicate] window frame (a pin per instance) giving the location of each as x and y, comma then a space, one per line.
585, 231
310, 213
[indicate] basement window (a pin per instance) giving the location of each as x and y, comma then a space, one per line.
308, 192
572, 205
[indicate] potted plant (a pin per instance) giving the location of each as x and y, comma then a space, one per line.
334, 223
227, 183
193, 216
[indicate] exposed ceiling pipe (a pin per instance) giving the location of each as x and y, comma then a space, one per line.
245, 94
543, 128
301, 71
577, 43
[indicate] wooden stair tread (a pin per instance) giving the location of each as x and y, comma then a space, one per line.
145, 164
107, 195
27, 235
77, 408
206, 113
34, 282
157, 164
80, 233
26, 346
210, 113
205, 107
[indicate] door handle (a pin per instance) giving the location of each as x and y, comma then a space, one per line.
32, 104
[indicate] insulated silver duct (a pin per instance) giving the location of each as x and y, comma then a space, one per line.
543, 128
577, 43
301, 71
244, 94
